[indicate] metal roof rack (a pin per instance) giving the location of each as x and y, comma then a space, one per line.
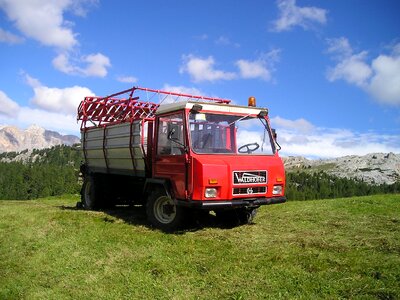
101, 111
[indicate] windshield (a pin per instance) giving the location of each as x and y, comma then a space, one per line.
233, 134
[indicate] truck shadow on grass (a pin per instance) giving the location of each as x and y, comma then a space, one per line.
136, 216
197, 220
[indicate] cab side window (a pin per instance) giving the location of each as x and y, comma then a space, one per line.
170, 135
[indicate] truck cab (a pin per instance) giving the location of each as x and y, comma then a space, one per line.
216, 157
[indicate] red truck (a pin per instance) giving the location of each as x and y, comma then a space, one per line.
178, 153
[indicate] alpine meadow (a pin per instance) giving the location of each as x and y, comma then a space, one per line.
336, 249
236, 150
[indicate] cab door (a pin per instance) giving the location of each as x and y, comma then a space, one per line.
170, 158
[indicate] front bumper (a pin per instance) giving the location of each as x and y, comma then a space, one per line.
215, 204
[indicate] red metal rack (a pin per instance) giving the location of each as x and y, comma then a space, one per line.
102, 111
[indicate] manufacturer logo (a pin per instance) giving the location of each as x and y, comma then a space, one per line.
249, 191
249, 177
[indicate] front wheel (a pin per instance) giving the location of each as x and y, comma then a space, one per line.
163, 213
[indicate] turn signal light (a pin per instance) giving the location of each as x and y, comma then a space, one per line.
212, 181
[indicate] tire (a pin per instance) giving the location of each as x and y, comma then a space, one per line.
236, 217
247, 215
90, 195
163, 213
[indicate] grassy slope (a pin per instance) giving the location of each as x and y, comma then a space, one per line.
344, 248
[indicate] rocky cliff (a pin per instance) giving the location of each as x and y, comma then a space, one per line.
15, 139
375, 168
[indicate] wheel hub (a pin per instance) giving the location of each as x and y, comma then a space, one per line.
164, 210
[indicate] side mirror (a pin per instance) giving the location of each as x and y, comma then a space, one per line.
173, 132
174, 135
275, 137
274, 134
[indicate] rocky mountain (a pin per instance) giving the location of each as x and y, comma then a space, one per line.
34, 137
374, 168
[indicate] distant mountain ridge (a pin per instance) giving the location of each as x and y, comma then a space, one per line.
373, 168
14, 139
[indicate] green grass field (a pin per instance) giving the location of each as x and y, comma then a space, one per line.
342, 248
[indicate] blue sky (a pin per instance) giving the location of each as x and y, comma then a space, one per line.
329, 71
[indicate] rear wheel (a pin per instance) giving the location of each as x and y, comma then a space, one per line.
247, 215
90, 195
236, 217
163, 213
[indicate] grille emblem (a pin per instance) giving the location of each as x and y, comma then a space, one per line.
249, 177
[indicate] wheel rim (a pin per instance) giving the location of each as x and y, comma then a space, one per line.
164, 210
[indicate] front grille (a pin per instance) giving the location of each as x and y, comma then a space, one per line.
250, 190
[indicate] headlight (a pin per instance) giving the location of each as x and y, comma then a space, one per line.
210, 193
277, 190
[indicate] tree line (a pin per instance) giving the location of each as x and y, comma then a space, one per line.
47, 172
55, 171
320, 185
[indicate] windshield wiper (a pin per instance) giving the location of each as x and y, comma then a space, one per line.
241, 118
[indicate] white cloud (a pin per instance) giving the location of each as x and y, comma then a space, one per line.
96, 64
8, 107
26, 116
64, 100
179, 90
317, 142
42, 20
380, 78
127, 79
253, 69
385, 83
62, 123
301, 125
10, 38
61, 62
55, 107
33, 82
292, 15
182, 90
81, 7
352, 69
259, 68
340, 47
202, 69
225, 41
